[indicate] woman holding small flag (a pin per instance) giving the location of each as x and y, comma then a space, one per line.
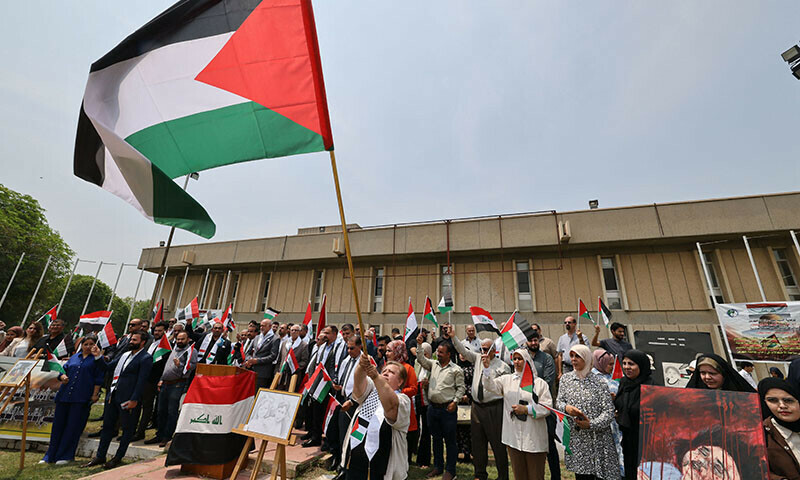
604, 362
585, 398
81, 378
636, 366
526, 399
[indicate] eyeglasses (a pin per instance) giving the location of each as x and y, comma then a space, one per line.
567, 323
352, 348
485, 350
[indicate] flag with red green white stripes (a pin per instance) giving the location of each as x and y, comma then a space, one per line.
526, 382
583, 312
48, 317
428, 314
51, 364
616, 374
163, 348
563, 430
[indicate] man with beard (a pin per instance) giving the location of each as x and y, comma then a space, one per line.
211, 347
565, 342
131, 370
173, 384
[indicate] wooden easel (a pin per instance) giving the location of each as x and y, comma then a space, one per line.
8, 392
279, 463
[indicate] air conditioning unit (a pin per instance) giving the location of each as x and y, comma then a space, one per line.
564, 232
188, 257
339, 251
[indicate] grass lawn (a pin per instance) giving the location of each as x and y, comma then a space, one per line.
9, 468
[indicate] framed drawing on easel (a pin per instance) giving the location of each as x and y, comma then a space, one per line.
273, 414
16, 376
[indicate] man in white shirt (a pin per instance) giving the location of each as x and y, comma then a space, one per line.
565, 343
472, 341
746, 372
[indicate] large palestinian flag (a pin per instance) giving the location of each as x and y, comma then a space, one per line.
204, 84
212, 407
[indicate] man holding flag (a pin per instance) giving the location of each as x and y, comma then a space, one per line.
572, 337
296, 360
173, 384
212, 347
56, 341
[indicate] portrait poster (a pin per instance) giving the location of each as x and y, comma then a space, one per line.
671, 353
699, 433
273, 413
17, 373
41, 405
761, 331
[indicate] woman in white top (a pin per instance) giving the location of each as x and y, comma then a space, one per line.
525, 396
33, 333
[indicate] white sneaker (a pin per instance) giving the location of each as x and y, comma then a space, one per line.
41, 462
62, 462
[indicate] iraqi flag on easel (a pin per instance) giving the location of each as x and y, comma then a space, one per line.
224, 402
412, 329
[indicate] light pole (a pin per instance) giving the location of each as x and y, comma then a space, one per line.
792, 57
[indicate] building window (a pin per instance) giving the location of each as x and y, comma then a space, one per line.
447, 282
716, 291
317, 292
220, 289
785, 270
234, 289
524, 296
377, 292
613, 294
266, 292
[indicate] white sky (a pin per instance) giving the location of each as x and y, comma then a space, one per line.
440, 110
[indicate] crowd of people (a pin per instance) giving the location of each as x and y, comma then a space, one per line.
416, 384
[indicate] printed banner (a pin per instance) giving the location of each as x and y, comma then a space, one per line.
700, 434
671, 352
41, 405
761, 331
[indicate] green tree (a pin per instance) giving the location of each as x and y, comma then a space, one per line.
76, 297
24, 228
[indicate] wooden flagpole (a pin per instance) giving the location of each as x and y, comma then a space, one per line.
347, 250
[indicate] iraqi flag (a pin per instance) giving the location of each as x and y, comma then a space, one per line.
106, 336
516, 332
189, 312
95, 321
412, 329
204, 84
158, 312
48, 317
603, 311
483, 320
212, 407
308, 321
227, 319
321, 321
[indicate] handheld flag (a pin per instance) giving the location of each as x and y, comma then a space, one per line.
427, 314
526, 381
309, 323
188, 365
48, 317
162, 349
106, 337
95, 318
516, 332
603, 311
190, 312
61, 349
332, 404
78, 332
202, 85
318, 385
483, 320
446, 303
412, 329
271, 313
51, 364
583, 312
616, 374
563, 430
322, 317
158, 312
227, 319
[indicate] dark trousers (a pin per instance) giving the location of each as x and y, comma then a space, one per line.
424, 448
169, 400
413, 442
630, 452
68, 424
263, 382
127, 418
552, 454
317, 419
149, 394
486, 428
443, 429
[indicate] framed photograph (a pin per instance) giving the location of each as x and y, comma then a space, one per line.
273, 414
17, 374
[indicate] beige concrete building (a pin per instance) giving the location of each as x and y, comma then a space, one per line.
642, 260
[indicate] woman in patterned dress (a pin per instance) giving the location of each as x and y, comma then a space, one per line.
603, 368
585, 397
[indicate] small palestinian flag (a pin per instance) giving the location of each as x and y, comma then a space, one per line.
61, 349
516, 332
51, 364
162, 349
427, 314
526, 382
332, 404
106, 337
78, 332
48, 317
412, 329
563, 430
309, 323
603, 311
270, 313
318, 385
446, 303
616, 374
190, 312
227, 319
188, 365
583, 312
358, 432
483, 320
204, 84
322, 317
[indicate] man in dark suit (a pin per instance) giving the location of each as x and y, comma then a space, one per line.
327, 358
264, 358
300, 349
131, 370
211, 347
151, 387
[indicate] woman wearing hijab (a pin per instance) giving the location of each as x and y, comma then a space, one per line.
779, 402
776, 372
585, 397
13, 337
603, 368
524, 427
714, 373
636, 367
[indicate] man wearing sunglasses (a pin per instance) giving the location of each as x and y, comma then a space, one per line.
572, 337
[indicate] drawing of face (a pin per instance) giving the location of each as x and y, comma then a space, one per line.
672, 375
709, 463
